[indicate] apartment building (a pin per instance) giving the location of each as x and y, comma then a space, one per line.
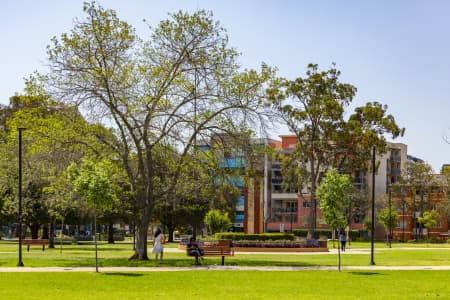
291, 209
265, 206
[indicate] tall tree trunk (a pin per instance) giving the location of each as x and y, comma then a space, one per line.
312, 216
421, 214
34, 228
45, 232
140, 253
110, 233
51, 240
171, 229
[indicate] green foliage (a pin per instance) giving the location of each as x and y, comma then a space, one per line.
217, 221
92, 181
388, 218
367, 224
430, 219
436, 240
334, 194
353, 234
313, 108
181, 84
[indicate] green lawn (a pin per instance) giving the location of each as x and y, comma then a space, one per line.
203, 284
228, 285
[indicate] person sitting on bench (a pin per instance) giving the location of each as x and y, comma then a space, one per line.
194, 250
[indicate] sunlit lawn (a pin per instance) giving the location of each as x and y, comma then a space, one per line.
227, 285
213, 284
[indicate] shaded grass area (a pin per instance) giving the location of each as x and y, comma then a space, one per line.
228, 285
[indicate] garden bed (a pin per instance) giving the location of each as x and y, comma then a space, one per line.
281, 246
271, 246
255, 249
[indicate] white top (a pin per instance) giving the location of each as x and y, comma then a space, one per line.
157, 246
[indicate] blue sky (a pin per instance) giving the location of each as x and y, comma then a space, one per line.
394, 52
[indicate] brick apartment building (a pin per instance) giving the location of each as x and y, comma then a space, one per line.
263, 205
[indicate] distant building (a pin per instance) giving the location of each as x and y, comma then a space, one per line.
265, 206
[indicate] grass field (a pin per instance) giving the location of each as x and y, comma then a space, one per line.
228, 285
208, 284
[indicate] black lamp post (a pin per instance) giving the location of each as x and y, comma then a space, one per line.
292, 216
372, 262
20, 263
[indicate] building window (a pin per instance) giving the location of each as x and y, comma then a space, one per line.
277, 218
291, 206
401, 224
306, 204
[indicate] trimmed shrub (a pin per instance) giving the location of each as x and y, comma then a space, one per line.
236, 236
277, 244
320, 233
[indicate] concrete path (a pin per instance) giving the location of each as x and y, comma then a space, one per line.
219, 268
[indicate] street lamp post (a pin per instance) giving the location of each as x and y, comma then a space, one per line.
372, 262
390, 219
292, 216
20, 263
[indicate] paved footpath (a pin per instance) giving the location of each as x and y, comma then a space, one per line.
218, 268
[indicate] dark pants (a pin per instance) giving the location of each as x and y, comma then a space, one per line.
343, 245
195, 252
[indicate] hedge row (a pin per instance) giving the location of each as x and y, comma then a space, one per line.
238, 236
353, 234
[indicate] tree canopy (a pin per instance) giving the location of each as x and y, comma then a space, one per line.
313, 107
182, 84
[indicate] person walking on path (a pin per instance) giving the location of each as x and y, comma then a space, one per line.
343, 240
158, 248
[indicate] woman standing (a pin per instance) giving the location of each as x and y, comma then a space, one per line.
158, 248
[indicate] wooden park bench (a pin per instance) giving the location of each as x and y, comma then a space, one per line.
222, 248
30, 242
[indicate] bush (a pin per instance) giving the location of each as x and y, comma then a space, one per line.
277, 244
235, 236
325, 233
435, 240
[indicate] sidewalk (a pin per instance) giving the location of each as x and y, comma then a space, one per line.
220, 268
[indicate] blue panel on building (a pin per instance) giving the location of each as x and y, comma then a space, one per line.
239, 217
233, 163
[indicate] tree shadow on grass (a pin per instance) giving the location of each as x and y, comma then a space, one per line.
365, 273
123, 274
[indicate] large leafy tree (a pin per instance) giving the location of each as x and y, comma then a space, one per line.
190, 198
41, 117
183, 82
313, 108
55, 136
